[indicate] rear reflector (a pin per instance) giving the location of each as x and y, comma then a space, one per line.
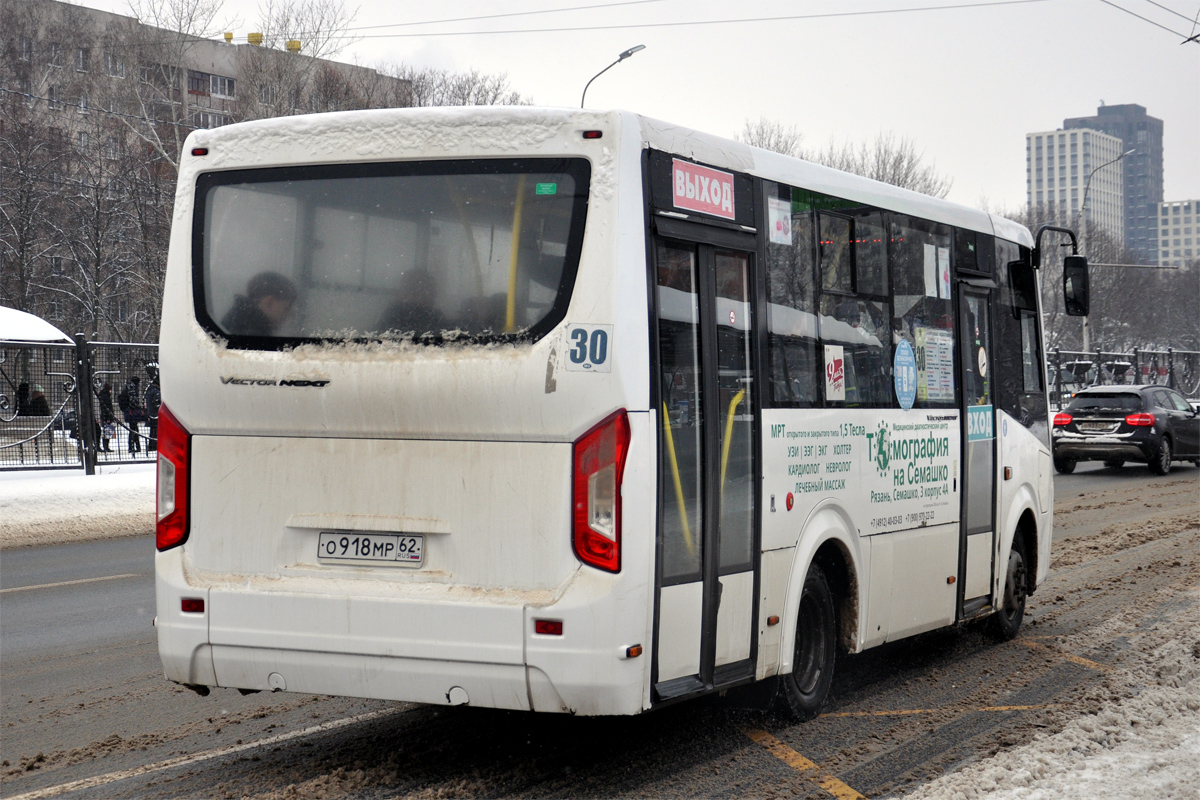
192, 605
174, 460
1140, 420
548, 627
592, 134
1062, 419
599, 467
199, 151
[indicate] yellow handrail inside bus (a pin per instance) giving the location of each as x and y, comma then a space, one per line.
687, 531
510, 313
733, 404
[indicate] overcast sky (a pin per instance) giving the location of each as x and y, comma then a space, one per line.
965, 84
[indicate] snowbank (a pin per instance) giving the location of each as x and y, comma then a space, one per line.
1145, 745
60, 506
17, 326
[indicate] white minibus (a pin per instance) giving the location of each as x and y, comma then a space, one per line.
580, 412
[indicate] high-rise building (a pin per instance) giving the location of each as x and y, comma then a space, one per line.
1143, 169
1057, 166
1178, 232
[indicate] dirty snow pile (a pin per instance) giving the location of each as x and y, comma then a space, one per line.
60, 506
1144, 745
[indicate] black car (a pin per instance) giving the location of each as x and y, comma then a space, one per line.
1152, 425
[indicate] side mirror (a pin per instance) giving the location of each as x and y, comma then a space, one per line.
1075, 286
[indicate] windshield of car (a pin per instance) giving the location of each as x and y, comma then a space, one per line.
426, 251
1124, 401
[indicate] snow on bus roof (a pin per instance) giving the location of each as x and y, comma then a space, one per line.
378, 133
18, 326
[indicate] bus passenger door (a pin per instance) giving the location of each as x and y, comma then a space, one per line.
707, 468
977, 537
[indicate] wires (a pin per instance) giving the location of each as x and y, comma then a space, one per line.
1152, 22
693, 23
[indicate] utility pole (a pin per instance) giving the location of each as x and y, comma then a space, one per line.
1083, 224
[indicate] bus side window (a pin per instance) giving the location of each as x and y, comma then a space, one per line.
791, 299
922, 311
1017, 346
834, 247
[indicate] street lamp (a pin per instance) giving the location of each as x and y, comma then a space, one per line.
620, 58
1083, 221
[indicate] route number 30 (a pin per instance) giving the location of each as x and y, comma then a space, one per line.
588, 347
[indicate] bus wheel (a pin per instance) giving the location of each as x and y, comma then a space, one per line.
805, 689
1006, 620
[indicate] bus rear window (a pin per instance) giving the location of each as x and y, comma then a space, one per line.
428, 251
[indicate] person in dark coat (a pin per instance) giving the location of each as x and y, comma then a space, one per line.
38, 406
413, 310
130, 403
108, 418
153, 401
265, 306
23, 400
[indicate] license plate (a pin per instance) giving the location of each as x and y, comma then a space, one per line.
404, 549
1095, 426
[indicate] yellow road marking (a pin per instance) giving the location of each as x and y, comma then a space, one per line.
801, 764
1074, 659
910, 711
70, 583
182, 761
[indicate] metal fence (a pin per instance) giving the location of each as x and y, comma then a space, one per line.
1072, 370
45, 422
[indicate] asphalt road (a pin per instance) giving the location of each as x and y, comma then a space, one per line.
83, 699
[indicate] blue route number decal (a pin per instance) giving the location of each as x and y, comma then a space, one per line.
904, 370
588, 348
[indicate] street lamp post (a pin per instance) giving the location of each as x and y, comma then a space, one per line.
1083, 222
620, 58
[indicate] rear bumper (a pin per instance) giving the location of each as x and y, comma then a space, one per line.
407, 649
1102, 451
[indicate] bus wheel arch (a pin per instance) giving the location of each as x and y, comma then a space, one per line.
1028, 531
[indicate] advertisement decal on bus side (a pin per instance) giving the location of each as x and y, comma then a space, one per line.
892, 471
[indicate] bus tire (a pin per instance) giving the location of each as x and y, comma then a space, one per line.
807, 686
1006, 620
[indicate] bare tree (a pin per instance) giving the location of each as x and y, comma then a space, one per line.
772, 135
439, 87
159, 46
887, 159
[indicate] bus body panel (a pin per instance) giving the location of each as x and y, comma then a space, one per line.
469, 444
1029, 490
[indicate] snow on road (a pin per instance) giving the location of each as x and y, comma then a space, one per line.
61, 506
1145, 745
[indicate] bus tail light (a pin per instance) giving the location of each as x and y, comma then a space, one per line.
174, 460
599, 467
1140, 420
1062, 420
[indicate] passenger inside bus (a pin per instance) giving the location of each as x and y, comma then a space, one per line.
265, 306
414, 310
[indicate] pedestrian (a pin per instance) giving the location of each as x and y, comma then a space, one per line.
23, 400
130, 403
38, 405
153, 401
108, 418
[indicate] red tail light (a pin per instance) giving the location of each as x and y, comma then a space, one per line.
599, 466
1140, 420
1062, 419
174, 460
